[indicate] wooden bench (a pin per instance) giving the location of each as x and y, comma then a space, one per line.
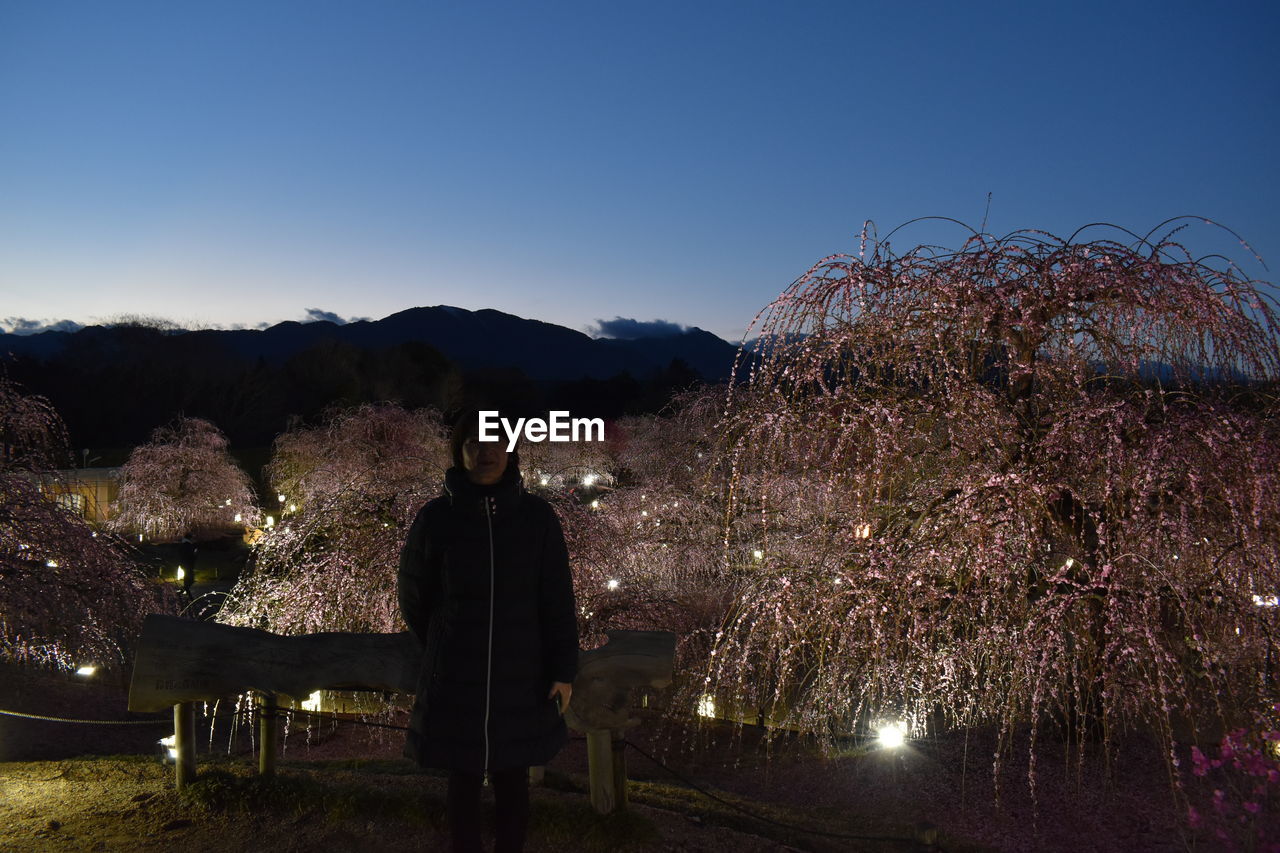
183, 661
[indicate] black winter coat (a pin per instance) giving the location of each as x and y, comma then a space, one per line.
485, 587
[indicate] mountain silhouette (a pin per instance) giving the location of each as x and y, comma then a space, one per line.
114, 384
472, 340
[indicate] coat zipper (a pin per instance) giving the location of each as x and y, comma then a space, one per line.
488, 678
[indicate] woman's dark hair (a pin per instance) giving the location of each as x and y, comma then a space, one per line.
467, 425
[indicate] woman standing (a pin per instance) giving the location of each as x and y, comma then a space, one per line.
485, 587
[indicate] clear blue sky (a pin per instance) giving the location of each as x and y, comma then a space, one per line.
224, 162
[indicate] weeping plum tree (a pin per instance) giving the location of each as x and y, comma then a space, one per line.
347, 492
32, 435
647, 553
1030, 480
68, 596
183, 479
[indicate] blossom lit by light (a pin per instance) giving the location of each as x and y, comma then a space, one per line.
1266, 600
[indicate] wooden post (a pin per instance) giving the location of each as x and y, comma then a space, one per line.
618, 745
267, 734
184, 743
606, 770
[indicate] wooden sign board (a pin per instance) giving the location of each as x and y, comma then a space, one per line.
608, 674
181, 660
184, 660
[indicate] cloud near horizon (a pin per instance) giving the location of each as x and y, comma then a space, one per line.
25, 326
319, 315
628, 329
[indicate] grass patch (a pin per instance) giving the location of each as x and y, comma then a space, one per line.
566, 824
123, 758
692, 804
788, 822
574, 825
218, 790
371, 766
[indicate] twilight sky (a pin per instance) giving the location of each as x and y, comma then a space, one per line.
228, 162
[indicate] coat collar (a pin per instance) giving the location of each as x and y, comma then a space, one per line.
469, 497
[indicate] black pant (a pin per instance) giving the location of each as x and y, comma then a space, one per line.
511, 802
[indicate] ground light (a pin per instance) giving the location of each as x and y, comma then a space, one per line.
169, 749
312, 702
87, 670
891, 735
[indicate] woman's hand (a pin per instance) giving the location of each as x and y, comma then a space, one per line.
562, 690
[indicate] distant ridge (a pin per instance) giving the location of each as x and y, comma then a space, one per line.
471, 339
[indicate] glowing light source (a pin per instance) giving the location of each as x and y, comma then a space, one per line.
707, 705
271, 521
170, 746
293, 507
595, 504
53, 564
182, 573
891, 735
312, 702
542, 481
589, 480
281, 497
758, 554
613, 584
87, 670
239, 517
1266, 600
